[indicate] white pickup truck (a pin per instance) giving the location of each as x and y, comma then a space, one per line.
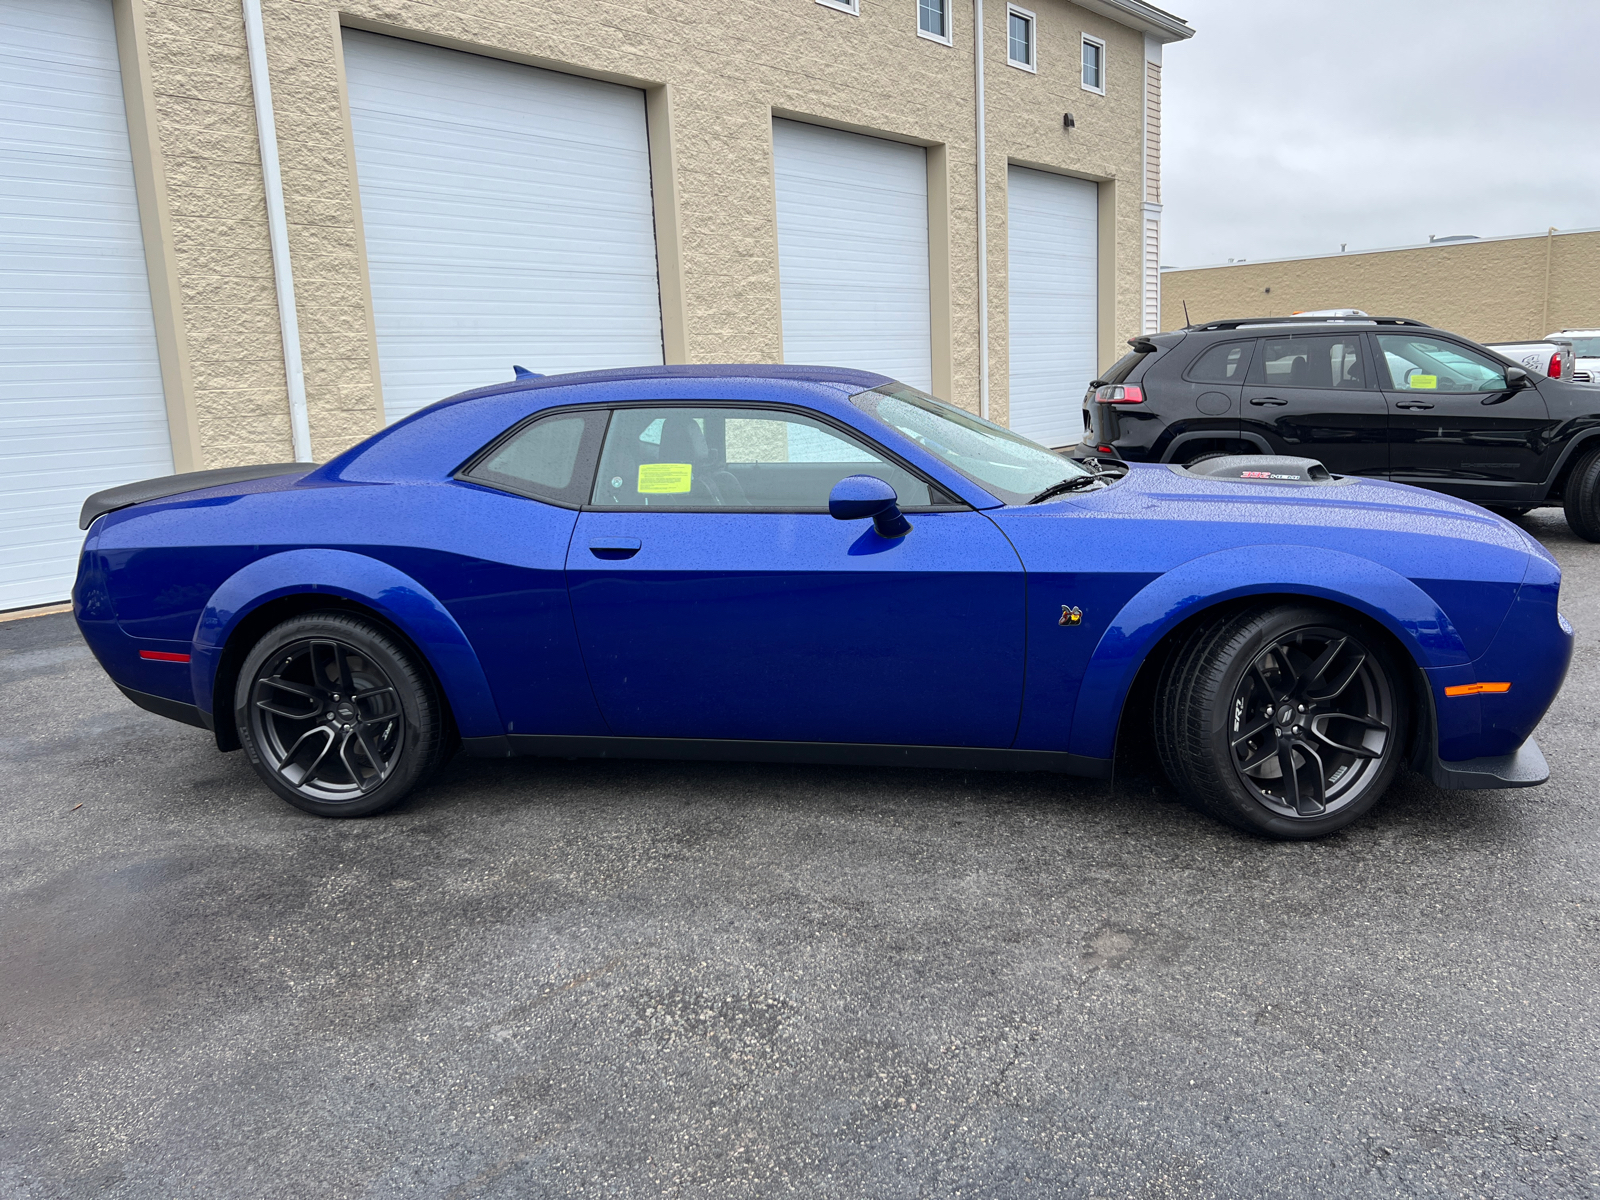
1547, 357
1585, 352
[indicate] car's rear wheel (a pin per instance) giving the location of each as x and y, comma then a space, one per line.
1582, 494
337, 717
1286, 721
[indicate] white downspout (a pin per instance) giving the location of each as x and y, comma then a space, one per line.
983, 216
255, 40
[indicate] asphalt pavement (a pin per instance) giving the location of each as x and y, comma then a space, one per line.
705, 980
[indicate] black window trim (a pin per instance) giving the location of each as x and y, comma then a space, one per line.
462, 474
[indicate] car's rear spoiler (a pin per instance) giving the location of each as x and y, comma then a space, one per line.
162, 486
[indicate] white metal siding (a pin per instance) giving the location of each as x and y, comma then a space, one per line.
81, 404
853, 251
1151, 322
1052, 239
508, 218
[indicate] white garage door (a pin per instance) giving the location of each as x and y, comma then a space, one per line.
80, 386
1053, 261
853, 251
508, 219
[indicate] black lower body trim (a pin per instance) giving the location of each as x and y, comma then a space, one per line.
174, 710
959, 758
1525, 767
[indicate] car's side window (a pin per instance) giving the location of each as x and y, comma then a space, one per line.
1313, 362
1225, 363
551, 458
693, 456
1423, 364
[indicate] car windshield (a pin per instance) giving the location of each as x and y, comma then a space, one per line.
1586, 347
1002, 462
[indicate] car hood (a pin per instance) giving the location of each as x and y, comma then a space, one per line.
1157, 517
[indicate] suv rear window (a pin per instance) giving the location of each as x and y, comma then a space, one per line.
1124, 366
1225, 363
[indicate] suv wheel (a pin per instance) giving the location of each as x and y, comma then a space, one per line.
1582, 502
336, 716
1287, 721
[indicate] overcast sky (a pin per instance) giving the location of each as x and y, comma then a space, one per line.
1290, 127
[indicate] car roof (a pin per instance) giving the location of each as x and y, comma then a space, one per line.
846, 376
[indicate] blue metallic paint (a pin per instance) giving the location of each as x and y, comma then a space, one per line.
796, 626
769, 626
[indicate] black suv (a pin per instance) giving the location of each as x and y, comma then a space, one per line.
1382, 396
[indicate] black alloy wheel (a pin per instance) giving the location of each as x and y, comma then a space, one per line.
1286, 721
335, 716
1581, 497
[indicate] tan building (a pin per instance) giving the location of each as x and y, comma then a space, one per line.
456, 187
1500, 289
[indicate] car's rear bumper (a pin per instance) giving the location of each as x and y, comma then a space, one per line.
1523, 767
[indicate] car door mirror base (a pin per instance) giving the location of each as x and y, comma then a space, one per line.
856, 497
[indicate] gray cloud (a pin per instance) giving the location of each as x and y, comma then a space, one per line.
1290, 128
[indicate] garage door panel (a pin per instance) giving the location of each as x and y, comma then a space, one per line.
853, 251
508, 218
1053, 267
81, 402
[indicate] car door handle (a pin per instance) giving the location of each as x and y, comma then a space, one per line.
1413, 404
613, 548
1268, 400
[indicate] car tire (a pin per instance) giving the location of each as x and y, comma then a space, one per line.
1582, 497
1286, 721
337, 717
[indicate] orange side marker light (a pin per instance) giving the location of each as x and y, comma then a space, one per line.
1472, 689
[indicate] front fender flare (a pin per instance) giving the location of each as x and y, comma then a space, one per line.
348, 576
1376, 591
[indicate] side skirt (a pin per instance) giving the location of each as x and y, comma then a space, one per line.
859, 754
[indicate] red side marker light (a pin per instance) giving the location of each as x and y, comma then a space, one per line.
1472, 689
162, 656
1119, 393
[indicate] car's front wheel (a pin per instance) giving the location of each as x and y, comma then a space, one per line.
1582, 497
1286, 721
336, 716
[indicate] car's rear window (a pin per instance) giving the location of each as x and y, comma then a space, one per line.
1124, 366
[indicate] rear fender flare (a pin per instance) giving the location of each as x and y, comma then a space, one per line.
1381, 594
340, 574
1214, 435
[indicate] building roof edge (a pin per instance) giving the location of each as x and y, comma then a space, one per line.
1257, 262
1146, 18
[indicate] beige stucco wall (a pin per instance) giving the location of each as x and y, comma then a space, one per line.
714, 75
1490, 291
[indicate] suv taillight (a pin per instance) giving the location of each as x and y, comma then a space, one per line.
1119, 393
1555, 366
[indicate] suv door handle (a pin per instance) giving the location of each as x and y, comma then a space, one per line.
1268, 400
614, 547
1413, 404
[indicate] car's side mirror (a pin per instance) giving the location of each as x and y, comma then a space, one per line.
1516, 377
856, 497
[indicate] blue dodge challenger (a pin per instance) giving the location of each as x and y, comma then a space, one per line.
807, 564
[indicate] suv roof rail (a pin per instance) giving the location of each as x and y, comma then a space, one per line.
1241, 322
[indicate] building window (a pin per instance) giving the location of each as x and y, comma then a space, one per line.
1094, 65
1020, 38
853, 7
933, 20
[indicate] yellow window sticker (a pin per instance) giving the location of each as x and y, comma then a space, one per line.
1416, 381
657, 478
